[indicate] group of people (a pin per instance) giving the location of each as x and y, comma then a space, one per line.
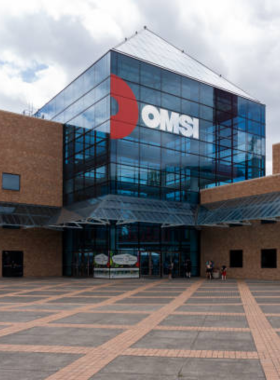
210, 268
188, 267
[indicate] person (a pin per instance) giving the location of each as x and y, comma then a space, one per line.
188, 268
211, 269
170, 270
208, 270
224, 272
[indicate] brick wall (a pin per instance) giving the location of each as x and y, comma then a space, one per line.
42, 250
276, 158
241, 189
32, 148
217, 242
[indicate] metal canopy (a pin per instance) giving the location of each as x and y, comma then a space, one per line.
21, 215
123, 210
240, 210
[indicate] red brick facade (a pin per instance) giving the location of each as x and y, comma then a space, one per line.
42, 250
32, 148
217, 242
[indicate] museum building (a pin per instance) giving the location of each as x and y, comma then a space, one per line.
147, 158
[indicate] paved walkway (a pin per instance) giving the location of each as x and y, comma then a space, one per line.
139, 329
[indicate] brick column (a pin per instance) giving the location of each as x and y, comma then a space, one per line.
276, 158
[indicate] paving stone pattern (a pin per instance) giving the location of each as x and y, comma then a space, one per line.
79, 329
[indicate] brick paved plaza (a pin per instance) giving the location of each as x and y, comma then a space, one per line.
139, 329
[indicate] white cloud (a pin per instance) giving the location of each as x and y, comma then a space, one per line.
239, 39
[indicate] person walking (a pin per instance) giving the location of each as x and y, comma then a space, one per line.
224, 272
188, 268
171, 266
211, 269
208, 270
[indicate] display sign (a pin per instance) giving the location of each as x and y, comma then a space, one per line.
172, 122
101, 259
101, 273
123, 123
124, 272
124, 259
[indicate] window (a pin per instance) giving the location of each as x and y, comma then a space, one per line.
269, 258
236, 258
10, 181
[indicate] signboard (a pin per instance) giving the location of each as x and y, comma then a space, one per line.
124, 273
101, 259
159, 118
124, 259
101, 273
123, 123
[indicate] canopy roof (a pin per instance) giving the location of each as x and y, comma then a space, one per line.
240, 210
124, 209
149, 47
15, 214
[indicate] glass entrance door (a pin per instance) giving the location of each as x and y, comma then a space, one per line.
170, 256
150, 264
83, 264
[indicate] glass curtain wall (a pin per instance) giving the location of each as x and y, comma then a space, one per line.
162, 165
149, 163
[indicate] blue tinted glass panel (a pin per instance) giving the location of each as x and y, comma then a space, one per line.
128, 152
206, 113
254, 127
239, 123
151, 96
102, 69
171, 83
10, 181
262, 114
254, 111
239, 157
206, 95
190, 89
171, 102
149, 156
239, 172
170, 158
242, 107
190, 108
171, 141
150, 136
254, 144
128, 68
150, 76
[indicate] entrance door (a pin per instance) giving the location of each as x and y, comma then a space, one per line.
83, 264
12, 263
150, 263
169, 256
88, 264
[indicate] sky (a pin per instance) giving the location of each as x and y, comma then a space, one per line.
45, 44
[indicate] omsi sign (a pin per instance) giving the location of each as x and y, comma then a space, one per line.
170, 121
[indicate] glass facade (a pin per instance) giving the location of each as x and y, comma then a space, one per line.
149, 163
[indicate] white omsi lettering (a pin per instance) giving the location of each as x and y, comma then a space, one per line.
150, 116
170, 121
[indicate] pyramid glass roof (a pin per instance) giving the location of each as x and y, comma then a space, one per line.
147, 46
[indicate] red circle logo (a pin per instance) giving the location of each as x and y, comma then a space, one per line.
124, 122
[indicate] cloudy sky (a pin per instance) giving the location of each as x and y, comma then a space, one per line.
46, 43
